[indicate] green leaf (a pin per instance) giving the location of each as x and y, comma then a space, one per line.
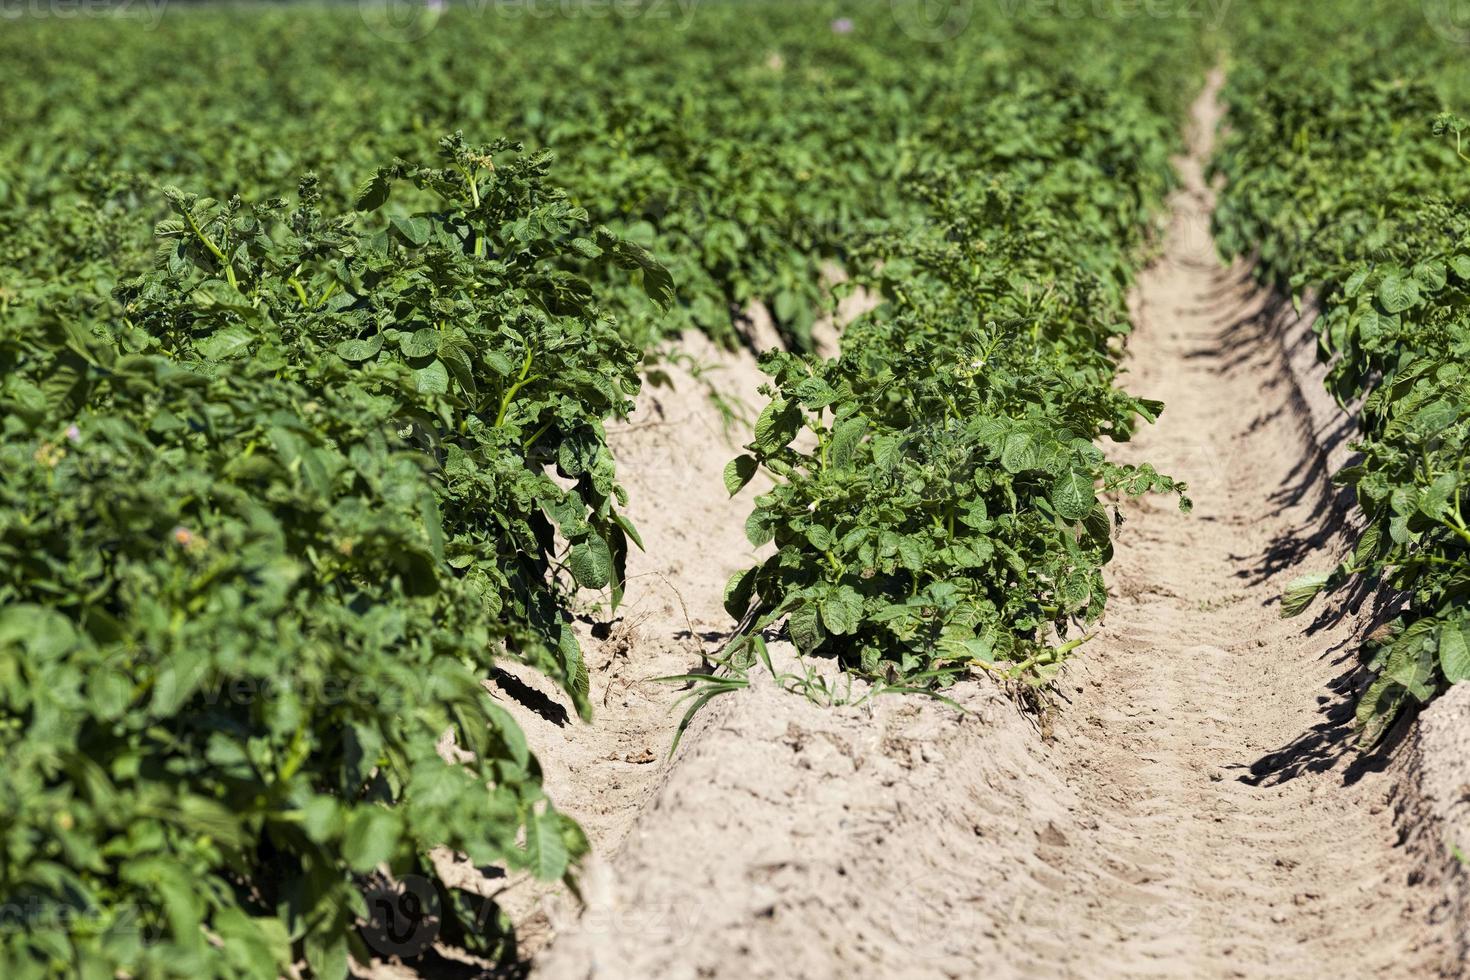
1021, 452
258, 946
820, 537
360, 350
1355, 282
586, 248
546, 851
433, 522
1435, 500
658, 284
887, 450
739, 591
846, 438
1301, 592
841, 609
777, 426
415, 230
373, 192
759, 528
805, 626
322, 819
1397, 293
176, 885
326, 951
178, 678
499, 363
432, 379
738, 472
423, 342
629, 530
1368, 543
1454, 653
372, 837
574, 665
1074, 495
110, 692
814, 393
911, 553
1378, 708
1432, 275
1414, 672
458, 362
591, 562
225, 344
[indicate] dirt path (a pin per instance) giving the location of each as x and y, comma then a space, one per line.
1199, 810
1235, 833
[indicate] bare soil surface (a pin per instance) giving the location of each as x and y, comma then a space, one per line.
692, 418
695, 410
671, 457
1231, 828
1195, 807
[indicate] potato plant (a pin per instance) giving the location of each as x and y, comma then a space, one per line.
262, 535
1354, 181
946, 510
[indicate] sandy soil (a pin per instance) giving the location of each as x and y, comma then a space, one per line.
1194, 807
671, 457
691, 419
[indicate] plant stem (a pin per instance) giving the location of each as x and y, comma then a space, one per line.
300, 292
510, 393
213, 248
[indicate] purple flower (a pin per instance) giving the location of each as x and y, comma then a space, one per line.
842, 25
73, 435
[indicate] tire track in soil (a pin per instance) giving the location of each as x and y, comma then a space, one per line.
1229, 845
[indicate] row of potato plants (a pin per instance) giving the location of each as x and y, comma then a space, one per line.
944, 510
263, 530
1346, 176
747, 144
